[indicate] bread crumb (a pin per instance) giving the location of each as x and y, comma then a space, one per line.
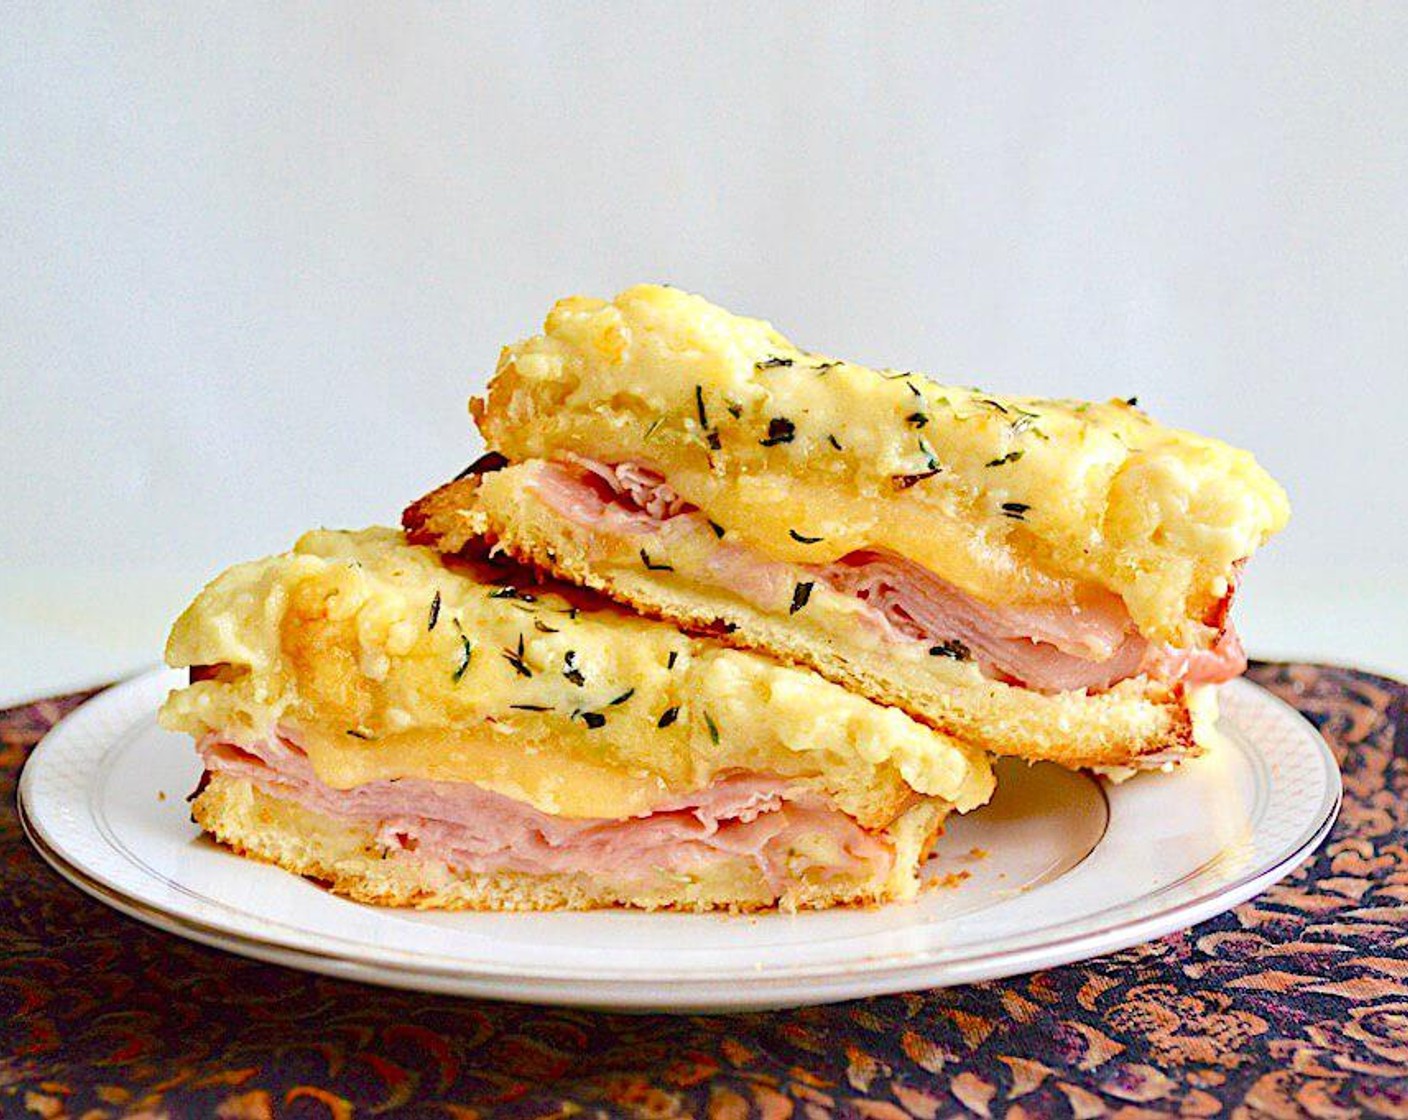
977, 853
948, 882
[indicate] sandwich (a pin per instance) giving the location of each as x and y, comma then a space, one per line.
419, 730
1050, 579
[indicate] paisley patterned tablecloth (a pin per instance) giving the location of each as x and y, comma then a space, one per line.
1295, 1004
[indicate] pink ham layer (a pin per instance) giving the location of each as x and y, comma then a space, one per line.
755, 817
1092, 645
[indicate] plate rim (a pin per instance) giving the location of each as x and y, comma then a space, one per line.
873, 974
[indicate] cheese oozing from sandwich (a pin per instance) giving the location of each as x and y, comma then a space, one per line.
423, 731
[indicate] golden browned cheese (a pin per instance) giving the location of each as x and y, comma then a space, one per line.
1017, 500
384, 663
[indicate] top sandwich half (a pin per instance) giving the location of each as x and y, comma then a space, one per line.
1051, 577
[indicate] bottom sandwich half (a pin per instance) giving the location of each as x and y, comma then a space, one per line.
417, 732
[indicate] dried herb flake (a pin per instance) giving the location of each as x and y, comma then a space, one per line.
516, 659
466, 652
780, 430
1010, 457
511, 592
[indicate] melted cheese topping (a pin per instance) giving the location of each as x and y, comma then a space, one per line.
523, 694
1016, 500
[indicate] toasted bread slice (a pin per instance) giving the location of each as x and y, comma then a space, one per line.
1139, 723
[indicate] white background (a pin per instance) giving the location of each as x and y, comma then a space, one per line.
256, 257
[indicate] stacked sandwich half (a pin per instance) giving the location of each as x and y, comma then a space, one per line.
716, 622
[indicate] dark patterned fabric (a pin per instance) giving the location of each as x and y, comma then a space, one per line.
1295, 1004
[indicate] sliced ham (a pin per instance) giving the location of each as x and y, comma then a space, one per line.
599, 500
635, 486
1090, 645
1224, 661
756, 817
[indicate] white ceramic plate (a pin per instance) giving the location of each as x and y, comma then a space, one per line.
1058, 868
